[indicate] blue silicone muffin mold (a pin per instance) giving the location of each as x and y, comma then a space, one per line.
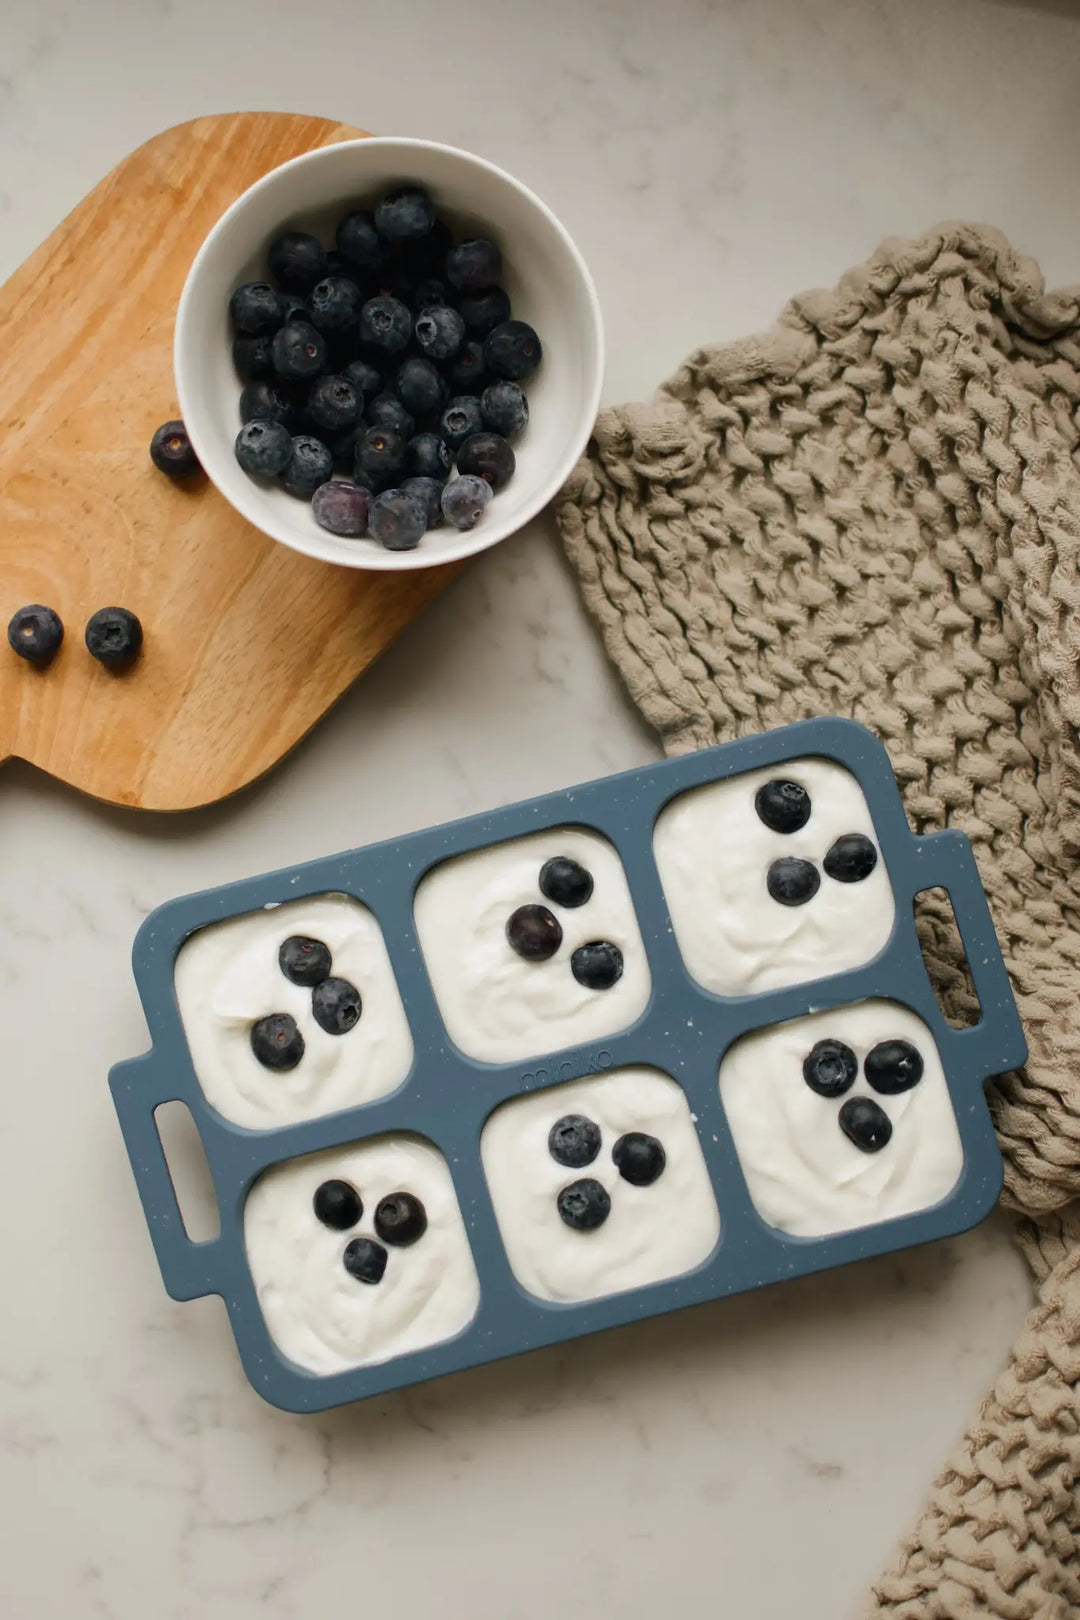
447, 1097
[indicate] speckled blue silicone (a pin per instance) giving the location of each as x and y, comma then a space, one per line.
684, 1031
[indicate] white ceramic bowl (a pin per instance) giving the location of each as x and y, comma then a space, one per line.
545, 275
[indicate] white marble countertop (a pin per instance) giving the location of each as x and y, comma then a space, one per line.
757, 1457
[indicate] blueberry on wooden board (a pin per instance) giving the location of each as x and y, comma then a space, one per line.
397, 519
298, 351
400, 1219
440, 332
428, 491
35, 633
565, 882
533, 932
865, 1124
830, 1068
263, 448
335, 1006
792, 882
460, 420
365, 1260
277, 1042
171, 451
464, 501
504, 409
489, 457
512, 350
342, 508
850, 859
473, 264
297, 261
783, 806
255, 309
304, 960
639, 1159
584, 1205
114, 637
893, 1067
483, 311
597, 965
405, 215
310, 465
337, 1205
574, 1141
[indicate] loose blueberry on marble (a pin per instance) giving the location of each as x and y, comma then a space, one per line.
865, 1124
534, 933
387, 411
512, 350
460, 420
335, 1006
35, 633
337, 1205
397, 520
850, 859
333, 404
639, 1159
597, 965
584, 1205
420, 387
252, 358
342, 508
440, 332
893, 1067
830, 1068
265, 401
360, 244
483, 311
304, 960
428, 491
467, 371
783, 806
263, 448
255, 309
473, 264
365, 379
489, 457
400, 1219
464, 500
574, 1141
504, 409
277, 1042
171, 451
792, 882
114, 637
298, 352
386, 324
404, 215
365, 1260
380, 456
427, 456
310, 465
297, 261
335, 305
565, 882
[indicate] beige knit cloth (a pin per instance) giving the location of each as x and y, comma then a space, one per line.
874, 510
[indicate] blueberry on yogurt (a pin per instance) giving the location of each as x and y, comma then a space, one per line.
893, 1067
337, 1205
365, 1260
851, 859
574, 1141
783, 806
830, 1068
400, 1219
335, 1006
534, 933
565, 882
304, 960
597, 965
639, 1159
792, 882
865, 1124
584, 1205
277, 1042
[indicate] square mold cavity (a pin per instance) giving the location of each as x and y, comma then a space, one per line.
308, 1220
774, 878
556, 1150
228, 976
499, 1006
842, 1119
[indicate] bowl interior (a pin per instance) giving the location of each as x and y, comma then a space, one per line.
544, 275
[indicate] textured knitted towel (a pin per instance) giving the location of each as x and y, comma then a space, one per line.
874, 510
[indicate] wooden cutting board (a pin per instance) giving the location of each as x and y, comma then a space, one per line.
247, 643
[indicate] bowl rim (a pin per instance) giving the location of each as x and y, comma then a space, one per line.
472, 541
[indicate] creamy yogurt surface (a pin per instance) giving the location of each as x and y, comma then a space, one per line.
318, 1314
804, 1175
497, 1006
228, 976
652, 1232
714, 852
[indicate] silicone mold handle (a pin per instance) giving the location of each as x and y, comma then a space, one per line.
188, 1269
946, 860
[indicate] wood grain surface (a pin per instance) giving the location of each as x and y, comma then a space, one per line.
247, 643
